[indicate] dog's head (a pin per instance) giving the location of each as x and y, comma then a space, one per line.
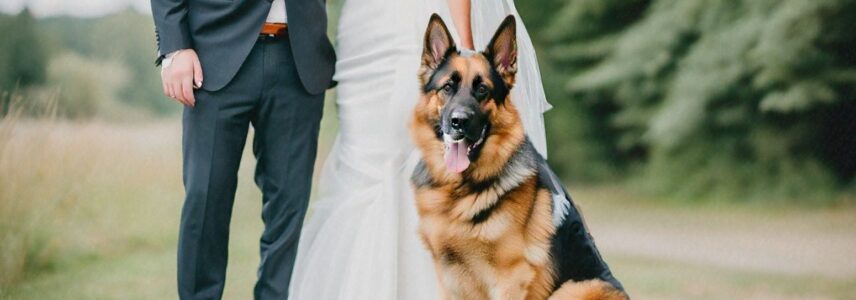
465, 98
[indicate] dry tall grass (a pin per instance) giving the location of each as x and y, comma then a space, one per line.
80, 189
73, 194
25, 232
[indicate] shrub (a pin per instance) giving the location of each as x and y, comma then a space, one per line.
84, 87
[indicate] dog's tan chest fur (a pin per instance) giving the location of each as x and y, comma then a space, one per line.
496, 256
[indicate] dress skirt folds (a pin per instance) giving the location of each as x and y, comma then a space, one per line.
360, 240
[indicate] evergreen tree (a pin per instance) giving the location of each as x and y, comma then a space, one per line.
710, 99
22, 57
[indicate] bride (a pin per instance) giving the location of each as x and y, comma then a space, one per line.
360, 240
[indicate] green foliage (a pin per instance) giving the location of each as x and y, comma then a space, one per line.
125, 38
570, 129
22, 55
86, 64
84, 87
709, 99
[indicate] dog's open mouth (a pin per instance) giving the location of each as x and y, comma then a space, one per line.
458, 151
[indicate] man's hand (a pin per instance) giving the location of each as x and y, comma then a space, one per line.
181, 76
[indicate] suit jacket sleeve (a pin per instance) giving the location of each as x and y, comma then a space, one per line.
171, 28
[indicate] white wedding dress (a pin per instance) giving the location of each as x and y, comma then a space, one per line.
360, 240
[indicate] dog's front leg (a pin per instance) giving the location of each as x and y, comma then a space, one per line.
442, 288
513, 281
431, 245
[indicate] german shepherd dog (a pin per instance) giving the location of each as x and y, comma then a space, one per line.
498, 224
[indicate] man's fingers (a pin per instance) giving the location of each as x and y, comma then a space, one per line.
165, 88
169, 90
187, 91
176, 93
197, 73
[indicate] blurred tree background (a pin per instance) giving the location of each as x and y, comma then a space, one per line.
718, 102
704, 100
100, 66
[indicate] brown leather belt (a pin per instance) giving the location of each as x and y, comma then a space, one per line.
274, 30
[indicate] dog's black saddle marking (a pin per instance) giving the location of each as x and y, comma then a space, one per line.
575, 255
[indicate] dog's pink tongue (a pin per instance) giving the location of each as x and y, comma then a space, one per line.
456, 157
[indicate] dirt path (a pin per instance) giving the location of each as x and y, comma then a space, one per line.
789, 242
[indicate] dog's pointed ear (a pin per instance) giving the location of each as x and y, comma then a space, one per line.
502, 49
438, 41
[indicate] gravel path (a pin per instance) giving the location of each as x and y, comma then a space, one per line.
815, 243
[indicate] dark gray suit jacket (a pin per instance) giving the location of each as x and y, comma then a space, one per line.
222, 32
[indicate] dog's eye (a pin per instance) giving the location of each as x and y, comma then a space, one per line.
481, 91
447, 87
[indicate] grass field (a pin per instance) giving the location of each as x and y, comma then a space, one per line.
90, 211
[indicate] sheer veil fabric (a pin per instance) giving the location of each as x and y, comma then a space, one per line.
360, 240
528, 92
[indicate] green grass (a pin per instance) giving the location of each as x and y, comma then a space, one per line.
145, 269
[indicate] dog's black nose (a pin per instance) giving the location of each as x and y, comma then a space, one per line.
459, 120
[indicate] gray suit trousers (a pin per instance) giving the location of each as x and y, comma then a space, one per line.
267, 94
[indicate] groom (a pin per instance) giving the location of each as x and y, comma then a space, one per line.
232, 64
